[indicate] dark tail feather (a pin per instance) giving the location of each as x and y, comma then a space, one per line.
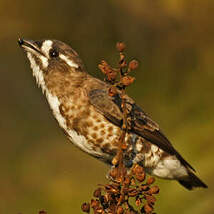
192, 181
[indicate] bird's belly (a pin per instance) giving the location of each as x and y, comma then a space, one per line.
85, 127
82, 142
93, 134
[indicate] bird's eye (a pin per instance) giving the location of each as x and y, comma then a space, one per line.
53, 53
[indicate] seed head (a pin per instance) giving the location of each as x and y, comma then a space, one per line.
94, 203
138, 202
141, 177
133, 64
112, 91
97, 193
150, 180
147, 209
150, 199
120, 210
85, 207
127, 80
154, 190
120, 46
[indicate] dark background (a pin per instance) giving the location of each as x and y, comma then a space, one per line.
173, 40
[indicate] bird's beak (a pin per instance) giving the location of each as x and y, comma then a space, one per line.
29, 45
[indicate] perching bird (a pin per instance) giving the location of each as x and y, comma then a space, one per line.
92, 119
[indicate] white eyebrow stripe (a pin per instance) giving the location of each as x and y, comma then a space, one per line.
46, 46
44, 61
68, 61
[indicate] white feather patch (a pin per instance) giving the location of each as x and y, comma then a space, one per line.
170, 168
68, 61
139, 146
54, 104
37, 73
152, 157
46, 46
154, 148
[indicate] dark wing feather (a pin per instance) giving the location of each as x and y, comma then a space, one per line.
104, 104
156, 137
139, 121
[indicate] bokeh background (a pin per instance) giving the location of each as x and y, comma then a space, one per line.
174, 42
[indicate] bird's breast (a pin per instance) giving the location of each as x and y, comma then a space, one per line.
83, 125
93, 133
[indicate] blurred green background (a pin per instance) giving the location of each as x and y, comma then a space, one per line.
174, 42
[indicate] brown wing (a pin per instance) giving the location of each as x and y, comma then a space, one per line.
139, 121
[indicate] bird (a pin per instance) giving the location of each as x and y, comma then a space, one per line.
92, 120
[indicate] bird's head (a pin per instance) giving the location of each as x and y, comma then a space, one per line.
52, 61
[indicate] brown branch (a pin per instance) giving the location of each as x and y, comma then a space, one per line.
114, 197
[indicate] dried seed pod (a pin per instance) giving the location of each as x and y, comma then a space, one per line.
85, 208
106, 197
112, 207
125, 190
133, 64
119, 178
144, 187
123, 64
132, 192
137, 170
127, 181
120, 46
113, 173
154, 190
150, 180
98, 210
111, 188
111, 74
112, 91
138, 202
121, 199
109, 197
94, 203
97, 193
120, 210
108, 70
133, 183
150, 199
103, 66
141, 177
127, 80
115, 160
147, 209
108, 187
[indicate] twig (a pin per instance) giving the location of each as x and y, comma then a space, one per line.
113, 198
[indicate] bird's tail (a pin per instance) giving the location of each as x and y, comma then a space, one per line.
192, 181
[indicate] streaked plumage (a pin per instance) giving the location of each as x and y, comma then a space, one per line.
92, 119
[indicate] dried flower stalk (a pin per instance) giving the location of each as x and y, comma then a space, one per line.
114, 197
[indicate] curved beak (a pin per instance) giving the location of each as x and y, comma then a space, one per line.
29, 45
